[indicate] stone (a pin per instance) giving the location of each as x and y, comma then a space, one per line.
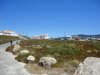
90, 66
30, 58
24, 52
89, 51
47, 61
16, 48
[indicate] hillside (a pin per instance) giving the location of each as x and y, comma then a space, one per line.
5, 39
68, 53
87, 36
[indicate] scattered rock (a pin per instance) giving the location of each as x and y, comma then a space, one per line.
47, 61
48, 46
16, 48
89, 51
30, 58
24, 52
90, 66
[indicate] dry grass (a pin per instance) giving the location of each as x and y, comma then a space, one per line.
35, 69
10, 49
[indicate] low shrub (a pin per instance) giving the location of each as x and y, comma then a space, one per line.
22, 58
10, 49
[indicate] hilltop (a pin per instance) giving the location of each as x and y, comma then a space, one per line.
6, 39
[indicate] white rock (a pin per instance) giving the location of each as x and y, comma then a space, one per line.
30, 58
90, 66
24, 52
47, 61
16, 48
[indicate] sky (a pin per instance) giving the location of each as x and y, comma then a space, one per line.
53, 17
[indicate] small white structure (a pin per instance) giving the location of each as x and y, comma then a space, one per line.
8, 33
47, 61
90, 66
30, 58
24, 52
43, 36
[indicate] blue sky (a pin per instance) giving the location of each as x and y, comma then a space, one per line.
53, 17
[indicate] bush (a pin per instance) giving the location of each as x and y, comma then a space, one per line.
22, 58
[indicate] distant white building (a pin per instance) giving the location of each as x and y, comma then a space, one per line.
43, 36
8, 33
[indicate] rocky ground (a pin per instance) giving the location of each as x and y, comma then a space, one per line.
9, 66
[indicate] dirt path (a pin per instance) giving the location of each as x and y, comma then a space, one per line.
8, 64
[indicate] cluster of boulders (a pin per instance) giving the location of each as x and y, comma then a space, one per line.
46, 62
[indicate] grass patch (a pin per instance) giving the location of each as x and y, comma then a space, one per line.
63, 51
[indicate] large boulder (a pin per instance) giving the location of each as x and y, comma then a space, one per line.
24, 52
90, 66
47, 61
30, 58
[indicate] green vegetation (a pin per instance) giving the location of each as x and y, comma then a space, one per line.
63, 51
67, 53
5, 39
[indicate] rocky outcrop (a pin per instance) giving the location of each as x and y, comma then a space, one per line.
30, 58
47, 61
90, 66
24, 52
